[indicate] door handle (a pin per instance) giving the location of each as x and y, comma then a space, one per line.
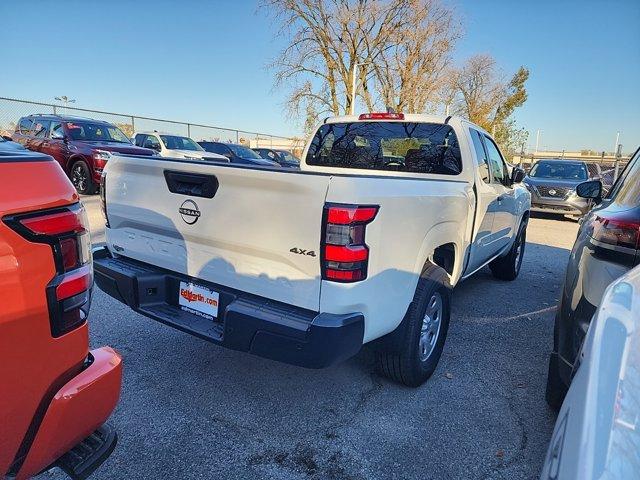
45, 144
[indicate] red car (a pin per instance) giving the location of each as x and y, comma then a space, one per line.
55, 394
82, 146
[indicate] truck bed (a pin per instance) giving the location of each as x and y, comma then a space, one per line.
259, 230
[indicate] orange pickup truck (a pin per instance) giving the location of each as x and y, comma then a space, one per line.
55, 394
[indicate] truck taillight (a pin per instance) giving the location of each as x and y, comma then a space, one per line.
615, 232
66, 230
345, 255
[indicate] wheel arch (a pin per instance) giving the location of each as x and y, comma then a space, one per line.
442, 246
75, 158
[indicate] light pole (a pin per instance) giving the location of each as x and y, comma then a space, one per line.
66, 100
538, 139
615, 147
354, 76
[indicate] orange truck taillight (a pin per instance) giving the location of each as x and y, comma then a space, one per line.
345, 255
66, 230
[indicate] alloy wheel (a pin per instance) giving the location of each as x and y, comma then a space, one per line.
430, 329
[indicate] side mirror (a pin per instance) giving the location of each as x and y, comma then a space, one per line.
517, 175
591, 189
57, 135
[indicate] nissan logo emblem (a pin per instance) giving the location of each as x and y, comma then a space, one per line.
189, 212
552, 192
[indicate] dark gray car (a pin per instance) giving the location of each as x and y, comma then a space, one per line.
552, 184
607, 247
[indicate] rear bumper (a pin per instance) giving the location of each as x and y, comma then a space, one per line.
563, 206
77, 410
246, 322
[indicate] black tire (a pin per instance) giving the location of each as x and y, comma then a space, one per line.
82, 179
508, 267
399, 355
556, 390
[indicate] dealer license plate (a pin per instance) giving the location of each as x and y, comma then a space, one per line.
198, 300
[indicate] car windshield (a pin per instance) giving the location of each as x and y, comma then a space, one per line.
559, 170
243, 152
96, 132
175, 142
396, 146
288, 157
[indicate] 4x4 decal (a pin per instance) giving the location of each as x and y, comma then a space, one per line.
301, 251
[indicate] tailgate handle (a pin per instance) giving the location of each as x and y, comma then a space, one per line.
191, 184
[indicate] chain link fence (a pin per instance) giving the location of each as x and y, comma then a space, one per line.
11, 110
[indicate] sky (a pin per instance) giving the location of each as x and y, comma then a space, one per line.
207, 61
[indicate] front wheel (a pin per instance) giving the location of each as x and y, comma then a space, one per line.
508, 266
410, 354
82, 179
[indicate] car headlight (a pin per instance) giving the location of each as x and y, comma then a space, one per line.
101, 155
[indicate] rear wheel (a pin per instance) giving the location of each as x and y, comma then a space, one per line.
82, 179
410, 354
508, 266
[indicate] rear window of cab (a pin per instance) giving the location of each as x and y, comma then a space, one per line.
388, 146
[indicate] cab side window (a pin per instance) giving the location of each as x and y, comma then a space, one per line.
498, 167
41, 128
139, 140
483, 163
56, 131
151, 142
25, 126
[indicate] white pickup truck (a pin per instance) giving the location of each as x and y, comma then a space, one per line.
362, 245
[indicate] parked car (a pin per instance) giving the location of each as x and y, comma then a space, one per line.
175, 146
56, 394
552, 184
607, 246
237, 153
10, 146
82, 146
597, 434
361, 246
284, 158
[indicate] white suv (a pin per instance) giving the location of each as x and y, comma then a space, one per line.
175, 146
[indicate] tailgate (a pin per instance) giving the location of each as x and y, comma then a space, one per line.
228, 225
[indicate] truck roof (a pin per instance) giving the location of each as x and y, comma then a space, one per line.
407, 117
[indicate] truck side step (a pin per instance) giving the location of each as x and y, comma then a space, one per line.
83, 459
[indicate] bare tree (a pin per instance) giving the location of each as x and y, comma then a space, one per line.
398, 48
480, 93
479, 89
412, 68
400, 51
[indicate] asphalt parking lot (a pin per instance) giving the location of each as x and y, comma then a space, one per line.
190, 409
